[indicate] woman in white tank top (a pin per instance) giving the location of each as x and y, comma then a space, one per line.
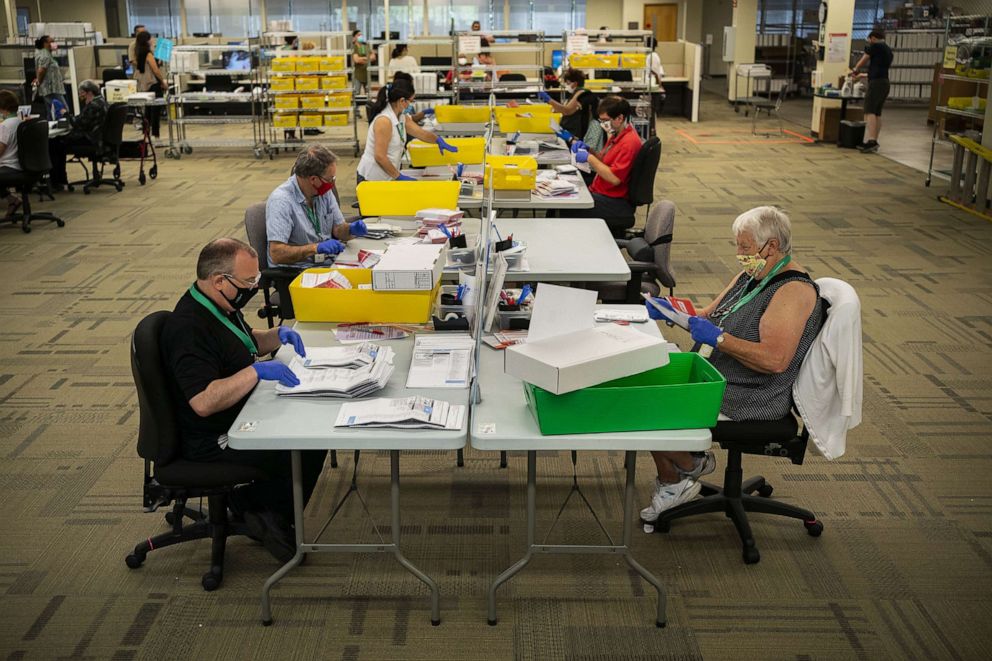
388, 130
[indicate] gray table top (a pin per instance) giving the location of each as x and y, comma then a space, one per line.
502, 420
288, 423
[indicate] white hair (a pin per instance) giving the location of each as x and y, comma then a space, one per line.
765, 224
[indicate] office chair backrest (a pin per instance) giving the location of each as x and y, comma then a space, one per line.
658, 232
513, 78
113, 126
257, 236
641, 188
114, 74
158, 433
32, 146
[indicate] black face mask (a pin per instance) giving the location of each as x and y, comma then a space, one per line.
240, 299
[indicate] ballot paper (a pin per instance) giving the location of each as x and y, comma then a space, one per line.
340, 382
441, 360
360, 333
349, 357
495, 286
380, 231
402, 413
683, 310
358, 259
330, 279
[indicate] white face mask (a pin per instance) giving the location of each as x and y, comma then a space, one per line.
606, 126
570, 87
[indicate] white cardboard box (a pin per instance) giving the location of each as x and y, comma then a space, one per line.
117, 91
409, 268
572, 361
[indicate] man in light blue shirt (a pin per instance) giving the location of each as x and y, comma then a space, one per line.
303, 223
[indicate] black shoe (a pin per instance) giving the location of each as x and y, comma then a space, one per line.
869, 147
277, 537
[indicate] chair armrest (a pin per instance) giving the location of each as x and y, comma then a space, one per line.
642, 267
622, 243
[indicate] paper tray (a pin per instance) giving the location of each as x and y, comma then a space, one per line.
685, 394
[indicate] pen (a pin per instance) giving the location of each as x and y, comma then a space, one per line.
444, 229
496, 229
524, 293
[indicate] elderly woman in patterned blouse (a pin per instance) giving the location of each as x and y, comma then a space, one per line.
761, 327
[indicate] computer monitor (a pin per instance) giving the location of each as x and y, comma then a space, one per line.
616, 75
557, 58
393, 36
430, 61
237, 60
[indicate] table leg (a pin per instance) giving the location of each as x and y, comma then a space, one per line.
296, 460
630, 460
394, 470
531, 525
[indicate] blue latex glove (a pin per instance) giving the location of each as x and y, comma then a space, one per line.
273, 370
404, 177
428, 112
443, 146
653, 312
582, 156
703, 331
577, 145
289, 336
544, 96
564, 135
358, 228
330, 247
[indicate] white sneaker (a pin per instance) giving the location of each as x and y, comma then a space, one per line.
702, 465
667, 496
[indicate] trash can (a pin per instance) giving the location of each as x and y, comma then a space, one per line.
852, 134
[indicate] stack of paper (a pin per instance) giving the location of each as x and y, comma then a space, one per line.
328, 279
363, 259
441, 360
359, 333
403, 413
381, 230
556, 187
435, 216
341, 382
348, 357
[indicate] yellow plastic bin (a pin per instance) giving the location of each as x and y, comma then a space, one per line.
308, 83
633, 61
284, 120
336, 119
282, 84
312, 101
332, 63
339, 100
334, 83
526, 121
448, 114
358, 305
405, 198
308, 64
594, 61
598, 83
311, 121
511, 172
287, 102
283, 64
424, 154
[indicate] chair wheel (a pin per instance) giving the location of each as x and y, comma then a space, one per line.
60, 223
750, 555
187, 149
210, 581
86, 191
814, 528
26, 229
133, 560
662, 526
141, 178
766, 490
70, 188
119, 187
170, 518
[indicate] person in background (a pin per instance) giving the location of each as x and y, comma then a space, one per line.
388, 130
211, 359
303, 222
361, 56
48, 75
761, 327
613, 165
133, 46
657, 72
149, 78
401, 60
576, 113
878, 57
9, 161
86, 131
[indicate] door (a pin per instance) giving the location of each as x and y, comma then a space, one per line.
663, 21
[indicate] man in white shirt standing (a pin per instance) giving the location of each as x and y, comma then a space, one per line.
9, 161
657, 72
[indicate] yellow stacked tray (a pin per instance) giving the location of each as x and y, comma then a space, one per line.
284, 120
358, 305
526, 120
339, 100
405, 198
308, 64
311, 120
966, 103
454, 114
336, 119
282, 84
283, 64
511, 172
308, 83
334, 83
424, 154
312, 101
594, 61
633, 60
332, 63
598, 83
287, 102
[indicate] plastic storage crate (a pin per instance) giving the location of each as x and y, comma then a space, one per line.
359, 305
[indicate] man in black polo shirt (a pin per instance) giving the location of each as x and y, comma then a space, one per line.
878, 57
211, 355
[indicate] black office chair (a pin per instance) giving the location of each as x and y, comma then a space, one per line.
107, 152
773, 438
277, 303
32, 153
640, 189
171, 479
512, 78
649, 259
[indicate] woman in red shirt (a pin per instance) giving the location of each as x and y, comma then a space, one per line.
613, 165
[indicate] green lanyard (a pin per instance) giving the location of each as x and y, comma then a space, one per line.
312, 216
239, 333
761, 285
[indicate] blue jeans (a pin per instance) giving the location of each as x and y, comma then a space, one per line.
49, 102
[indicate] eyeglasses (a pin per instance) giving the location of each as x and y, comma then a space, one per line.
249, 283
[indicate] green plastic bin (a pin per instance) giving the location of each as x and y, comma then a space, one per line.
685, 394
